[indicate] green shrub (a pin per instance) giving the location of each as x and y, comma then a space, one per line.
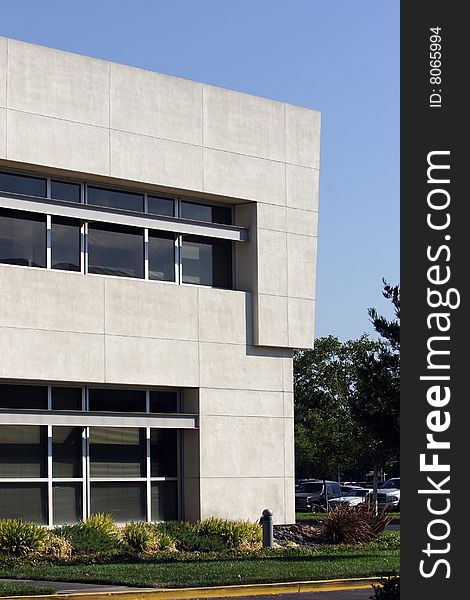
234, 534
185, 537
388, 589
344, 526
140, 537
101, 522
21, 537
377, 521
57, 545
86, 539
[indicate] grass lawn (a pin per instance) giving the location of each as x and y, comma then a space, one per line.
23, 589
327, 562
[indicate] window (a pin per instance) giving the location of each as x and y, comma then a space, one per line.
115, 199
102, 399
115, 250
207, 261
56, 474
22, 184
65, 244
161, 206
22, 238
65, 190
66, 398
161, 256
206, 212
23, 451
17, 396
117, 452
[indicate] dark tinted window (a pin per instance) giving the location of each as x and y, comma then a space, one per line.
163, 453
22, 184
163, 402
164, 501
115, 250
66, 398
124, 501
22, 238
65, 190
67, 502
206, 212
65, 242
27, 501
23, 451
66, 451
117, 452
161, 206
23, 396
116, 400
311, 488
161, 255
207, 261
115, 199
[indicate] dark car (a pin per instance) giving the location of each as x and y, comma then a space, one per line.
312, 495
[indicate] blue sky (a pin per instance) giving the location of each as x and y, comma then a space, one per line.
338, 56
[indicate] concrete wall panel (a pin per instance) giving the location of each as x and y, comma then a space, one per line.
238, 403
301, 315
258, 451
239, 176
3, 71
150, 309
3, 133
40, 299
302, 222
156, 161
33, 354
57, 143
302, 187
151, 361
272, 321
272, 262
302, 136
242, 497
301, 265
243, 124
58, 84
156, 105
224, 316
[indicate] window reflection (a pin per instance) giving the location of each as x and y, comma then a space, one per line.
207, 261
22, 238
115, 250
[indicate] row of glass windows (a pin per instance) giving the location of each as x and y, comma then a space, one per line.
114, 452
36, 397
126, 501
120, 199
112, 250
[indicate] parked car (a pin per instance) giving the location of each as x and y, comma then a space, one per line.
352, 498
311, 495
349, 487
388, 495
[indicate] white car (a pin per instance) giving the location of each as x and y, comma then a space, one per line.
352, 498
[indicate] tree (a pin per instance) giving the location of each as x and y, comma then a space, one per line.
375, 403
327, 440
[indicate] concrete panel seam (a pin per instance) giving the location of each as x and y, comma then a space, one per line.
26, 112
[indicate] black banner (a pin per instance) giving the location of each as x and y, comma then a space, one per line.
434, 290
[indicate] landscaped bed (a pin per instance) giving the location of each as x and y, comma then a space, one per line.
178, 554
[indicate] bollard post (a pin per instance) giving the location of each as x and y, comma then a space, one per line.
267, 522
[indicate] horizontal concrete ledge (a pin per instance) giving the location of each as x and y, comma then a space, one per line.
87, 212
98, 419
295, 587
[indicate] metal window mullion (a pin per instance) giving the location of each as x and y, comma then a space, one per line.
146, 253
148, 473
82, 247
48, 242
85, 247
50, 504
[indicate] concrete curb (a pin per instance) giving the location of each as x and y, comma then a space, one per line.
295, 587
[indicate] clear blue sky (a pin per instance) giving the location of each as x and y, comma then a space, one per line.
338, 56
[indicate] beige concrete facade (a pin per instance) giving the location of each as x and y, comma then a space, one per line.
230, 349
